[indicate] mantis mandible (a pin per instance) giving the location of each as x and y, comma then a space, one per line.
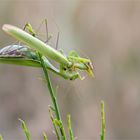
28, 55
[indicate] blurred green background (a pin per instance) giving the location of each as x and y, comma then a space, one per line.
108, 32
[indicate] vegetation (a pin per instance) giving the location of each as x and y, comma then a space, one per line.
36, 53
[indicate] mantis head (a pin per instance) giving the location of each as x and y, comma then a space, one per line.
80, 63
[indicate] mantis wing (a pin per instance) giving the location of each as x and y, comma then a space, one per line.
21, 55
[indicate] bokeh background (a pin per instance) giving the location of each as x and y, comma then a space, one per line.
107, 32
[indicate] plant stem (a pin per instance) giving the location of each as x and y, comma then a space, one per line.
53, 97
102, 135
25, 129
54, 125
70, 129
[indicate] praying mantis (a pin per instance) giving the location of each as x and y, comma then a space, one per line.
28, 54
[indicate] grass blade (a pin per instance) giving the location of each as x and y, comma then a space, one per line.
54, 125
45, 136
25, 129
70, 129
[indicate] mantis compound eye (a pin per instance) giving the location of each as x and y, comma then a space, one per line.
90, 69
90, 65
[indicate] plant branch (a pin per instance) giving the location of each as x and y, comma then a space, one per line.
52, 94
102, 135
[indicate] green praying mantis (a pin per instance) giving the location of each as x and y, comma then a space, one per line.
28, 54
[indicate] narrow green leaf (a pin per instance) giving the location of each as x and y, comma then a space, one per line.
45, 136
52, 108
57, 123
70, 129
25, 129
54, 125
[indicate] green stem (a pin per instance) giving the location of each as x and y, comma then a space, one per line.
70, 129
102, 135
52, 94
54, 125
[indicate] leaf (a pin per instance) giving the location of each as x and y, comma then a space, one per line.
54, 125
52, 108
25, 129
57, 122
45, 136
70, 129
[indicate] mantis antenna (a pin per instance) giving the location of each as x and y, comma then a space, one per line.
47, 31
56, 46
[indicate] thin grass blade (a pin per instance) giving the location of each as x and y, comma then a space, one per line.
25, 130
54, 125
45, 136
70, 129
